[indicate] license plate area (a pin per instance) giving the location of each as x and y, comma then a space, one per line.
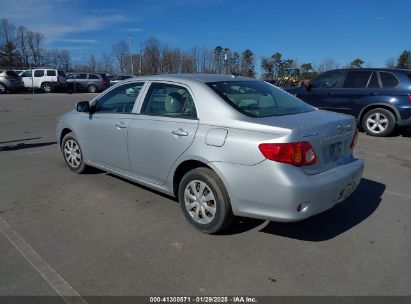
336, 151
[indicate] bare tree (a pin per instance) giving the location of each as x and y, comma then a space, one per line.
152, 56
34, 42
120, 51
327, 65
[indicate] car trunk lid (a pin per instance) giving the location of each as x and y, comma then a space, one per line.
329, 133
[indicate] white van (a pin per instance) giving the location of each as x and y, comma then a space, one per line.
48, 80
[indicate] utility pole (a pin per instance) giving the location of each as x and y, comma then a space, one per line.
131, 55
141, 55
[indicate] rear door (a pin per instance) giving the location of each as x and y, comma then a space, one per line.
165, 128
27, 77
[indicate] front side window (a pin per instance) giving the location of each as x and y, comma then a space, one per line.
51, 73
169, 100
357, 79
119, 100
38, 73
388, 80
26, 74
331, 79
258, 98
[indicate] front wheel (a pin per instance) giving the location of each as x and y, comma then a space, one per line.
378, 122
72, 153
204, 200
3, 88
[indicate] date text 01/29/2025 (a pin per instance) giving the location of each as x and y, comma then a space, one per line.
202, 299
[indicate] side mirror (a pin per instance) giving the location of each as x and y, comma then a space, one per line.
83, 106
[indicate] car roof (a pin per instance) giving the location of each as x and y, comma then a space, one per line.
375, 69
204, 78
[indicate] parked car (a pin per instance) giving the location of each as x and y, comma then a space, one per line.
380, 99
224, 146
10, 81
90, 82
120, 78
45, 79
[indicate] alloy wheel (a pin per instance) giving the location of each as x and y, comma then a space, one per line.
377, 123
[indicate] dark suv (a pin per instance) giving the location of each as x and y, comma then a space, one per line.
90, 82
380, 99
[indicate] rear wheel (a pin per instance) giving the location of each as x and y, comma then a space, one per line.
379, 122
72, 153
204, 200
92, 88
46, 87
3, 88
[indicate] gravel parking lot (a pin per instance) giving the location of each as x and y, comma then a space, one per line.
97, 234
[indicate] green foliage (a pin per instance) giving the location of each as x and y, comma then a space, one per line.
357, 63
404, 60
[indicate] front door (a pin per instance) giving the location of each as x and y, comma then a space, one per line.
164, 129
322, 90
105, 133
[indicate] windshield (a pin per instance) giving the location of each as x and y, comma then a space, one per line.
258, 98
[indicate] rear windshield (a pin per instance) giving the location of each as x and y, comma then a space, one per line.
409, 75
12, 74
104, 76
258, 98
61, 74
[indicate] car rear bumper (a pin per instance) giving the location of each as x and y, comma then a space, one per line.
280, 192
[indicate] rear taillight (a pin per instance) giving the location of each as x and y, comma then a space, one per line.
296, 153
409, 97
354, 139
9, 77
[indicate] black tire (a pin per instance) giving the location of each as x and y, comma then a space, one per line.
223, 215
3, 88
46, 87
81, 166
92, 88
379, 122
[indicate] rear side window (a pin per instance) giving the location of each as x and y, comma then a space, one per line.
38, 73
169, 100
357, 79
51, 73
82, 76
388, 80
93, 76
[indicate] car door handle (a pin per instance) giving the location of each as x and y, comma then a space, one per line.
179, 132
121, 125
373, 94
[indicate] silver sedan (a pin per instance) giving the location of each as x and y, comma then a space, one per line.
224, 146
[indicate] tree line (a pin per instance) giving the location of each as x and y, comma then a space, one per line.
23, 48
